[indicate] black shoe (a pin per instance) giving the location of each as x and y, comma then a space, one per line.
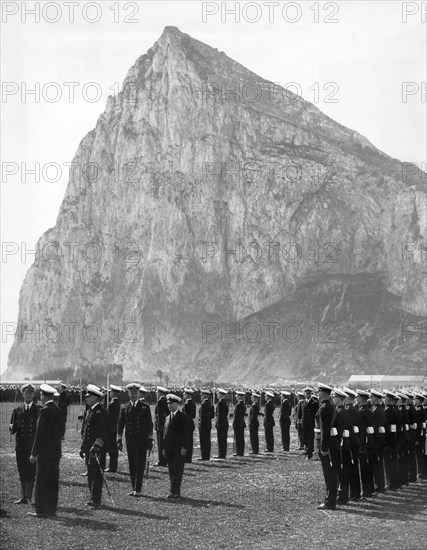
342, 502
309, 457
326, 506
22, 500
36, 515
173, 496
84, 474
137, 494
92, 504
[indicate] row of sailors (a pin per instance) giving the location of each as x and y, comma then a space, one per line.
365, 450
356, 442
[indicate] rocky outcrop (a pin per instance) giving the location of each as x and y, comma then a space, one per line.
189, 205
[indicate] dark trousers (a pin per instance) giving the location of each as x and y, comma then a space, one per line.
176, 464
94, 476
300, 438
137, 457
222, 433
189, 455
239, 434
391, 465
162, 459
254, 437
269, 438
309, 441
330, 476
285, 427
378, 468
421, 462
47, 486
344, 476
114, 456
367, 460
403, 463
205, 443
354, 480
26, 470
412, 462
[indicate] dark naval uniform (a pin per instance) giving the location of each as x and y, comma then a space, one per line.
324, 421
307, 411
368, 453
380, 423
285, 423
137, 423
47, 448
23, 424
390, 452
253, 427
113, 419
342, 447
176, 438
239, 426
206, 413
63, 403
412, 460
161, 411
404, 442
355, 422
221, 424
95, 442
269, 424
189, 409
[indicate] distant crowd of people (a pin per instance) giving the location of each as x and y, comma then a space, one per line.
367, 441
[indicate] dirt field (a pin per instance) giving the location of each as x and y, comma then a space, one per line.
266, 502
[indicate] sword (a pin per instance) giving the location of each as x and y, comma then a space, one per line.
103, 477
147, 468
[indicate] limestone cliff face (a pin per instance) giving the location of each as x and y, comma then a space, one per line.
208, 207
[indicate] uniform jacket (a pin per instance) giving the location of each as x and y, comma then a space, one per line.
161, 411
341, 422
355, 422
64, 401
253, 415
177, 433
307, 413
24, 426
392, 420
379, 419
324, 420
206, 413
189, 409
285, 411
95, 429
113, 418
269, 409
49, 431
137, 424
239, 415
221, 413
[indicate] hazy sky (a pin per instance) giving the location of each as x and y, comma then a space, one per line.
364, 57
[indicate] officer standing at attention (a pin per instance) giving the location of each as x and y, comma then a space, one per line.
355, 421
23, 424
135, 419
189, 409
221, 423
324, 421
206, 413
308, 410
342, 424
95, 443
113, 419
391, 463
285, 419
298, 422
46, 452
254, 424
368, 453
380, 424
160, 413
269, 421
63, 400
175, 444
239, 423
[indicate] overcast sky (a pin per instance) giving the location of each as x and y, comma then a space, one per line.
367, 55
